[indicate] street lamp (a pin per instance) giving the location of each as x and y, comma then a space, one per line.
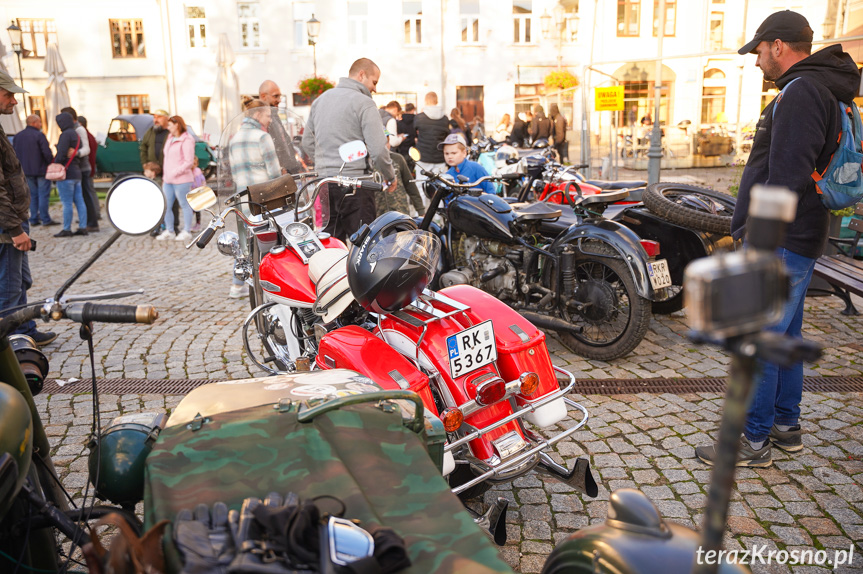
313, 28
18, 48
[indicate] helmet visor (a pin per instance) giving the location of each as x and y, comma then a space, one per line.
414, 248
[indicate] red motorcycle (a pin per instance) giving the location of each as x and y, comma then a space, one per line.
481, 369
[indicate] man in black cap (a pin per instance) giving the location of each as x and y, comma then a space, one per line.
15, 239
794, 139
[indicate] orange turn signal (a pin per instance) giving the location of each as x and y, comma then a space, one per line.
529, 383
452, 419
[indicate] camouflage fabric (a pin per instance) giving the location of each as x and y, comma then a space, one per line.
397, 200
360, 454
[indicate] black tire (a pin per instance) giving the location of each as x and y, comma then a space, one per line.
664, 199
463, 474
671, 304
616, 317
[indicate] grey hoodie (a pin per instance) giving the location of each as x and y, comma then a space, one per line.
340, 115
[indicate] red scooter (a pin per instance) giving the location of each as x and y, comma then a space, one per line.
481, 369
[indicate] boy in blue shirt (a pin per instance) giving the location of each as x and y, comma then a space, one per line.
455, 155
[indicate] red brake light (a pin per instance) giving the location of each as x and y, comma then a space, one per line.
652, 247
489, 389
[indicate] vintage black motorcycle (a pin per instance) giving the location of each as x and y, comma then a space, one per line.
588, 279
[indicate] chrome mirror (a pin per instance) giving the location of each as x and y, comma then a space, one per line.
348, 542
135, 205
201, 198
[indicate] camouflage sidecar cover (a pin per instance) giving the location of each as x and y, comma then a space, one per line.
229, 441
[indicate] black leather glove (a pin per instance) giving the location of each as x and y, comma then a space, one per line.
204, 539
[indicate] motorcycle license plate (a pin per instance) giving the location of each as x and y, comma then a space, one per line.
659, 275
471, 349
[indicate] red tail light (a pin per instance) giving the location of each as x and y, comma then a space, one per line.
652, 247
489, 389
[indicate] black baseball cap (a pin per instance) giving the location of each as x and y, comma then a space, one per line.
786, 25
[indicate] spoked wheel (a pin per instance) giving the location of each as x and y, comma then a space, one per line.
606, 305
691, 206
271, 334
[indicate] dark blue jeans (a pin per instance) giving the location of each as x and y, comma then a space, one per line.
40, 191
15, 280
777, 396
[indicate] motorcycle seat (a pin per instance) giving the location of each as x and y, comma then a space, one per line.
616, 184
328, 270
535, 211
605, 197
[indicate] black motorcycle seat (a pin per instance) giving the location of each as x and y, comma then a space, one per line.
605, 197
535, 211
616, 184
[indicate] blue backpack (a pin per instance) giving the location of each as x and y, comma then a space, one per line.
841, 183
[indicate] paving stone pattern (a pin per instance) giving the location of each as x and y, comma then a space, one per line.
810, 499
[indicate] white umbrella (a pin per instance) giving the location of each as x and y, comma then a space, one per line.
225, 103
11, 123
57, 93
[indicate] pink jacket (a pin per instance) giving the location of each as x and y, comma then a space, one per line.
179, 159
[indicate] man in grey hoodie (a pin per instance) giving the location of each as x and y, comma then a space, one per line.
340, 115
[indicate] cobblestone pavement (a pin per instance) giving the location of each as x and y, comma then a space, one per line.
811, 499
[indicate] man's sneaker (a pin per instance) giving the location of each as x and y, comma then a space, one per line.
165, 235
238, 292
43, 338
183, 236
747, 456
789, 441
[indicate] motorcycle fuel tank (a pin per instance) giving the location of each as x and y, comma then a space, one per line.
285, 278
487, 216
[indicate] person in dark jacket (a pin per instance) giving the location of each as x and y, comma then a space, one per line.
91, 200
558, 132
34, 153
406, 126
70, 190
519, 131
432, 127
270, 94
540, 125
790, 145
92, 218
15, 276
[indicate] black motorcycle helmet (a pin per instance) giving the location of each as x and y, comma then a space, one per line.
391, 262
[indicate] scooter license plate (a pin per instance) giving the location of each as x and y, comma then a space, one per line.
659, 275
471, 349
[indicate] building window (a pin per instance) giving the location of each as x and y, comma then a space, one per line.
469, 14
358, 23
35, 36
196, 26
521, 17
670, 17
302, 14
133, 104
127, 38
248, 14
713, 97
628, 12
717, 26
37, 107
413, 19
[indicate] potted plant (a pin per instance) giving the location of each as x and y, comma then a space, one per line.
560, 80
313, 86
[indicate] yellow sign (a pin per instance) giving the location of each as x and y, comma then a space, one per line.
608, 99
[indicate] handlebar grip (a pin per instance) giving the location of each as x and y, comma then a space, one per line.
371, 186
89, 312
205, 237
